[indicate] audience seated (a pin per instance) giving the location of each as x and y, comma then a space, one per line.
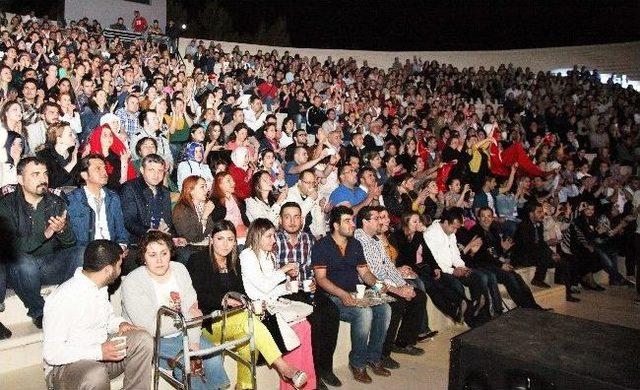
95, 211
339, 262
215, 273
38, 232
80, 347
264, 282
162, 282
479, 170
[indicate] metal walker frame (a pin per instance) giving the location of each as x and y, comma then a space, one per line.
224, 348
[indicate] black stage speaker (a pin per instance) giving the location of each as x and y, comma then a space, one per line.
538, 350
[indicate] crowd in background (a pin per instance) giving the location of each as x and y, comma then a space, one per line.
260, 172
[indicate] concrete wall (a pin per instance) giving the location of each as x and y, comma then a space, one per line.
107, 12
619, 58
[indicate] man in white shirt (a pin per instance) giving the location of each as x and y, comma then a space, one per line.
78, 323
255, 115
441, 241
305, 193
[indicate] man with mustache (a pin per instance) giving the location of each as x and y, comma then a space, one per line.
42, 243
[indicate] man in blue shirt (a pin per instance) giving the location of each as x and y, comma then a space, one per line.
348, 193
338, 262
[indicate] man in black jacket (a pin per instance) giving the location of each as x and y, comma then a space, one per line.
146, 205
530, 247
44, 243
494, 258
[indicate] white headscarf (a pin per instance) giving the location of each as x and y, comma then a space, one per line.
239, 157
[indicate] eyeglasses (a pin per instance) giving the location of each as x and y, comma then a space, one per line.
309, 182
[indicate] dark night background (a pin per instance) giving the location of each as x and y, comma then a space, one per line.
400, 25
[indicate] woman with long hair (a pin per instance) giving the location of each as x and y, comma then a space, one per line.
214, 143
11, 117
162, 282
214, 273
264, 282
228, 206
92, 112
14, 147
60, 153
193, 214
264, 201
117, 158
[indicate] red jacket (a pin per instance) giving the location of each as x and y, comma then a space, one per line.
241, 178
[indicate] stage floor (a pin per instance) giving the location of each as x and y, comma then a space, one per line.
614, 306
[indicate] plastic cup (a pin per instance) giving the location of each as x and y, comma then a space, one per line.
293, 286
306, 285
360, 288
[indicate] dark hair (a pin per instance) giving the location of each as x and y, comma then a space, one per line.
336, 215
290, 204
232, 259
364, 214
152, 158
99, 254
483, 208
531, 206
151, 237
255, 187
11, 137
85, 163
26, 161
143, 140
452, 215
142, 116
365, 169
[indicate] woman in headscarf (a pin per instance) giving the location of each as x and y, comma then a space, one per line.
193, 165
241, 171
117, 157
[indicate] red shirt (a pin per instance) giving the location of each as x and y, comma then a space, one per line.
139, 24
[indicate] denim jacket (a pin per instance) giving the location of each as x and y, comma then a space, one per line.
82, 217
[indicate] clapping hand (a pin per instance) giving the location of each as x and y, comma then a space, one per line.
56, 224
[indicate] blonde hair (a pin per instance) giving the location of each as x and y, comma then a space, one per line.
257, 229
55, 131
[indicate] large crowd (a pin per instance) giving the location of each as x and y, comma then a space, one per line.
299, 183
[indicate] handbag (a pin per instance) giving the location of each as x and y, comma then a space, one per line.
291, 311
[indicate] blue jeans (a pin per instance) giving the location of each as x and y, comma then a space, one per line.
368, 331
29, 273
609, 263
215, 376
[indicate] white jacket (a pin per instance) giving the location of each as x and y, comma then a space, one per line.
258, 209
261, 280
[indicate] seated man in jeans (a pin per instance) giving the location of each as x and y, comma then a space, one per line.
37, 224
78, 322
338, 260
407, 312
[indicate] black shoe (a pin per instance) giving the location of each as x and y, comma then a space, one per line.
330, 379
389, 363
5, 333
539, 283
37, 322
427, 335
571, 298
628, 283
408, 350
